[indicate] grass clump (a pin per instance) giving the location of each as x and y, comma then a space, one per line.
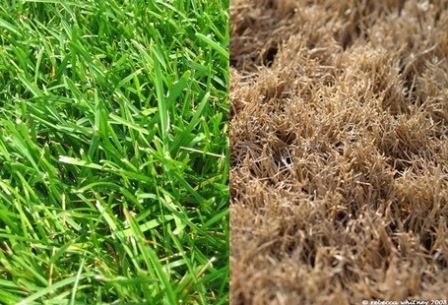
113, 152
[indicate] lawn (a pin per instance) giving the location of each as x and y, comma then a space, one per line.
113, 152
339, 156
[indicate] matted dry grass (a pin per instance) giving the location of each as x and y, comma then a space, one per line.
339, 136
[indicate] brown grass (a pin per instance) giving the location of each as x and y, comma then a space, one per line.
339, 137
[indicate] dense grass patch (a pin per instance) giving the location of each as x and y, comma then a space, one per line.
339, 175
113, 152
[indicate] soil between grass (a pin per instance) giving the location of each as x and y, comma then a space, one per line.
339, 138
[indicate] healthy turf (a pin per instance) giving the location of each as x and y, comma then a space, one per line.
113, 152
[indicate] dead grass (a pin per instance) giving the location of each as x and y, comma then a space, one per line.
339, 140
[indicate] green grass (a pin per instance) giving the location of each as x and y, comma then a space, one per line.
113, 152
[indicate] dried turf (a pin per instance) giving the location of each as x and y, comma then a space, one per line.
339, 140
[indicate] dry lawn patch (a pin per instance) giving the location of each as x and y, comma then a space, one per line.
339, 136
